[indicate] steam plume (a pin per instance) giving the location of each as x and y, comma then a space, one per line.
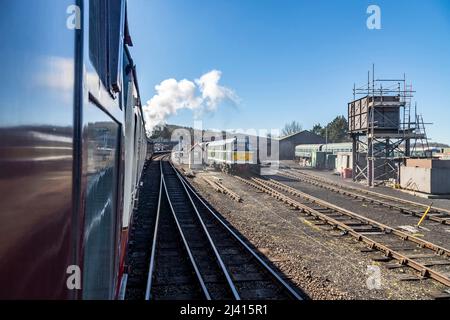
201, 95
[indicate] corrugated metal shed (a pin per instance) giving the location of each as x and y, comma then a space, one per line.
288, 143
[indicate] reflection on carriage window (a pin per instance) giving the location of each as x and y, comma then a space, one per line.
101, 139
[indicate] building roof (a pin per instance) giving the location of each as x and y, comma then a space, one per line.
297, 133
201, 145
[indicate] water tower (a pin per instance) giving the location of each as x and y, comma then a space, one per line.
382, 129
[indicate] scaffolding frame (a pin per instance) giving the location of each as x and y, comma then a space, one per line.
377, 152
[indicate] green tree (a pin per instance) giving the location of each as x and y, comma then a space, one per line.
337, 130
317, 129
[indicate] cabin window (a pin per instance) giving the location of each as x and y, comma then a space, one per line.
106, 25
98, 39
116, 9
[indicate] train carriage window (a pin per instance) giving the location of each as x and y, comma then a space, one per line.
102, 139
247, 144
116, 16
135, 147
127, 81
98, 39
106, 32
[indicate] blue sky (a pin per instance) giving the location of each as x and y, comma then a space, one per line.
294, 60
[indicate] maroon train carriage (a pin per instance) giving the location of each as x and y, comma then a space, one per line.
72, 148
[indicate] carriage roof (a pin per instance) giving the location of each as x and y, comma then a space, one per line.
221, 142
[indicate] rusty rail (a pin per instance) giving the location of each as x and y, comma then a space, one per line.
371, 197
268, 187
222, 189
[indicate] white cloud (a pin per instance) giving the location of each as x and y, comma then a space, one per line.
205, 94
212, 92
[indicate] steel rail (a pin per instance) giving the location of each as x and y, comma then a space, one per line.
381, 195
404, 236
265, 266
191, 257
211, 242
401, 258
222, 189
153, 249
365, 195
186, 245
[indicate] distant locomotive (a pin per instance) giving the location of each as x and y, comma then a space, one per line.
72, 149
232, 155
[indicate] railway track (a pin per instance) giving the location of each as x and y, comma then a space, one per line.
427, 258
195, 255
401, 205
173, 274
141, 232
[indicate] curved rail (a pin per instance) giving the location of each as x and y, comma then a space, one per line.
188, 250
213, 246
289, 291
153, 250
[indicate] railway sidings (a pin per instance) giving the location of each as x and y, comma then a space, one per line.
395, 245
328, 239
417, 209
295, 235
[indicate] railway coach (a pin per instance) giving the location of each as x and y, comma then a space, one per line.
72, 148
232, 155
